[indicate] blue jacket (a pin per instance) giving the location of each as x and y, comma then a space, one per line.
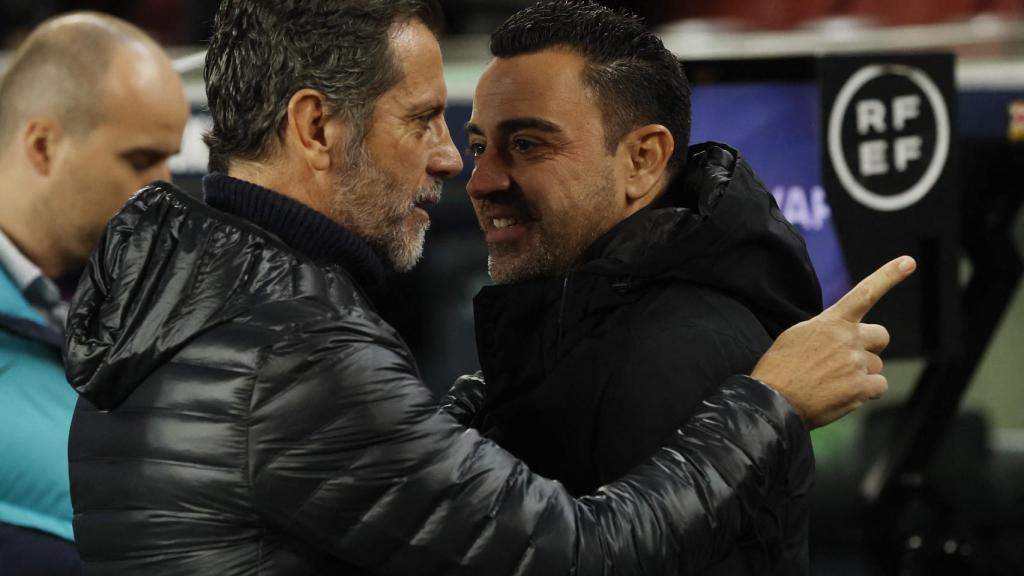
36, 405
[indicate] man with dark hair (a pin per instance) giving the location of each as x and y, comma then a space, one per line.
634, 274
90, 110
245, 410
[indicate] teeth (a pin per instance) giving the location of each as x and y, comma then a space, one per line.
503, 222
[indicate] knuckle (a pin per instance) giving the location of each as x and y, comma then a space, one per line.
851, 336
865, 295
842, 333
879, 386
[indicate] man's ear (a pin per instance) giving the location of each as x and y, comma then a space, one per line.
312, 131
648, 149
41, 140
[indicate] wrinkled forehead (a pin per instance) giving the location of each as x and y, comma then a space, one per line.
418, 56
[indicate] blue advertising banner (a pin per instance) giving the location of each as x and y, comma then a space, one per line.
776, 127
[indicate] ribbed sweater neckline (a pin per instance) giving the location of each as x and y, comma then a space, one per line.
297, 225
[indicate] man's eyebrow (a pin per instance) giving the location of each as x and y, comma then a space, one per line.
514, 124
431, 108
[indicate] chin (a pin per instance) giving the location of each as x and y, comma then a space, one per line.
508, 271
405, 255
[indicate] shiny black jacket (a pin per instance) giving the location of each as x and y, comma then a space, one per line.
588, 373
245, 411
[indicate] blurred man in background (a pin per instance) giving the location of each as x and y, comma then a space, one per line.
90, 110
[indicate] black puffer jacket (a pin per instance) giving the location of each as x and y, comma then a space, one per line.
246, 412
588, 373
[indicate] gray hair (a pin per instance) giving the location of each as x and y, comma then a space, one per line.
264, 51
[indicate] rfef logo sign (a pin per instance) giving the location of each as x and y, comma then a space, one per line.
888, 136
889, 141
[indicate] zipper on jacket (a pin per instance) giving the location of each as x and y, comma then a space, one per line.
622, 284
561, 313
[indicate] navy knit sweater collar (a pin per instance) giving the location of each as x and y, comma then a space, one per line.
298, 225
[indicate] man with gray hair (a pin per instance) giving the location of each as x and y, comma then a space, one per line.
246, 411
90, 110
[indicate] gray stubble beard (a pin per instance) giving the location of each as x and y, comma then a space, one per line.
356, 205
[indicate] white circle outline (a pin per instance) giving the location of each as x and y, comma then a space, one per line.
919, 190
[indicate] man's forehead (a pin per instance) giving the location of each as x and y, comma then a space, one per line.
151, 119
422, 72
558, 69
544, 85
424, 90
142, 78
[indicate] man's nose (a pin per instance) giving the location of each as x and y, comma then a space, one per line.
489, 176
447, 161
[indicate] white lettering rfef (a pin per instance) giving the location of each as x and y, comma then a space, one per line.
870, 115
905, 149
874, 159
905, 108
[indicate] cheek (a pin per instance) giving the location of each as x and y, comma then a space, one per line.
580, 209
414, 169
125, 181
114, 188
548, 198
552, 213
98, 183
107, 187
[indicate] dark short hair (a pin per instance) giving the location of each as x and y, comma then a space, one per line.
636, 79
264, 51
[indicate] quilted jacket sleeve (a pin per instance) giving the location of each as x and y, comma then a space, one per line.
465, 397
350, 453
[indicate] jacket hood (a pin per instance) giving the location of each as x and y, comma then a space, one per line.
718, 226
164, 272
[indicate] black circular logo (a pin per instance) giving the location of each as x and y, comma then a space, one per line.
888, 136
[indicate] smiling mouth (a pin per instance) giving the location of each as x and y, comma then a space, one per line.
502, 229
500, 223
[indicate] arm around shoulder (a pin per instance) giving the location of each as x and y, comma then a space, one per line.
350, 454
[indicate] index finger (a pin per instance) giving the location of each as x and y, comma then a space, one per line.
856, 303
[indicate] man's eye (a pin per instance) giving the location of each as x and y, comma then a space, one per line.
142, 161
475, 150
520, 145
427, 120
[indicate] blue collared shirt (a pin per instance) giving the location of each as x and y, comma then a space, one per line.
40, 292
36, 401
